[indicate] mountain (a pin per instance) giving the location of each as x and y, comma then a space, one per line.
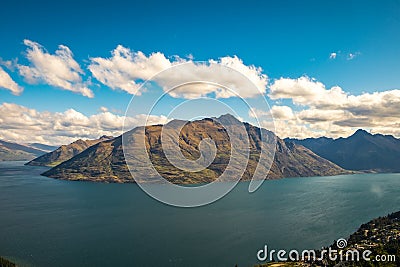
42, 147
360, 151
105, 160
13, 151
65, 152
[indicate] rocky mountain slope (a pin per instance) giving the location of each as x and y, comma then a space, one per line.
361, 151
105, 160
65, 152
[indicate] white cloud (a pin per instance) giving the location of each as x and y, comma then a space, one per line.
351, 56
23, 125
8, 83
126, 70
250, 82
103, 109
320, 110
9, 64
307, 91
276, 112
58, 69
282, 112
255, 113
333, 55
333, 112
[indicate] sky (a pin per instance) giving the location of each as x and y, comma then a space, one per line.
69, 69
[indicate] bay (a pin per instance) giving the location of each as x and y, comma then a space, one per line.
48, 222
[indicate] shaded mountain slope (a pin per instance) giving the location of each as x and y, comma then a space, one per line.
14, 151
43, 147
361, 151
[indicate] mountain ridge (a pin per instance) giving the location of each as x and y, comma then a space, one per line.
43, 147
105, 162
13, 151
361, 151
65, 152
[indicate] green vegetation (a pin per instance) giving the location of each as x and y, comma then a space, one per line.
6, 263
381, 236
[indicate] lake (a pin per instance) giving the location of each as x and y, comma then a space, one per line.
48, 222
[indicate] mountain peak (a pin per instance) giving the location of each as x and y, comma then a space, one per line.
361, 132
228, 119
106, 137
360, 151
66, 152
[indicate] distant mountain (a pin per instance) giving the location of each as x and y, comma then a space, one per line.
105, 161
361, 151
13, 151
65, 152
43, 147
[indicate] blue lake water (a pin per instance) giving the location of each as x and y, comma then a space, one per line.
47, 222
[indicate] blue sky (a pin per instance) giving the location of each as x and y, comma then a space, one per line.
289, 39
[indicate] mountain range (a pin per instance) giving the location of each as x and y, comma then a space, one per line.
12, 151
361, 151
105, 160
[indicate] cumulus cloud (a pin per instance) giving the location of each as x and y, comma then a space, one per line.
282, 112
319, 110
58, 69
276, 112
307, 91
332, 111
215, 76
8, 83
126, 70
22, 124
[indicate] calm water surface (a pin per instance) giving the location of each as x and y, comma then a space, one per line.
47, 222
